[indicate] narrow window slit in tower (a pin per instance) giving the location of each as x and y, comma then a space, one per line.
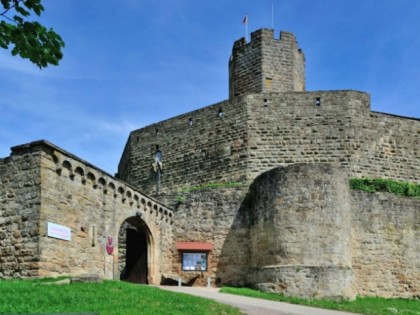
318, 101
190, 121
158, 154
93, 236
156, 132
158, 167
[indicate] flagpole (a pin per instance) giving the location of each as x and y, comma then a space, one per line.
246, 27
272, 15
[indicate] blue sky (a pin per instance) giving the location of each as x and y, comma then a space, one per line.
130, 63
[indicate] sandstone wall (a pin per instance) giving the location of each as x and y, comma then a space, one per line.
20, 198
288, 128
297, 230
261, 131
211, 149
217, 216
94, 205
386, 246
387, 146
310, 238
301, 232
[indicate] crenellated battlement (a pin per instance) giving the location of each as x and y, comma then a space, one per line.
267, 36
266, 64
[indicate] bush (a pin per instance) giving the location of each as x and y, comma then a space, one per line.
385, 185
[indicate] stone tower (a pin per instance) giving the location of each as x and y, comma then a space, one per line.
266, 64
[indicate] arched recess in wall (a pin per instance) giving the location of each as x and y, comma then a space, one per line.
90, 177
56, 159
102, 184
136, 259
66, 165
81, 174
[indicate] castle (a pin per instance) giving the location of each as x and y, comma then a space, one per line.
253, 191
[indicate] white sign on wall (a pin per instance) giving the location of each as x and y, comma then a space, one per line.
59, 231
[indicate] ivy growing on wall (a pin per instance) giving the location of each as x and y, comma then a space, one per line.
385, 185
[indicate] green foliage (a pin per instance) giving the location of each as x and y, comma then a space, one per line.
180, 199
362, 305
109, 297
29, 39
385, 185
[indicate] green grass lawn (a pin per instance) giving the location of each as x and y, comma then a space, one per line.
366, 305
114, 297
109, 297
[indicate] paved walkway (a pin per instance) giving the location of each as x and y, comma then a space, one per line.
253, 306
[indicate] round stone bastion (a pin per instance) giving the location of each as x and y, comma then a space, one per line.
300, 232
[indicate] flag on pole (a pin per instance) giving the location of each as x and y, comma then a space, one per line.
245, 22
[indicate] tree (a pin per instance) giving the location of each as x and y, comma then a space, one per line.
29, 39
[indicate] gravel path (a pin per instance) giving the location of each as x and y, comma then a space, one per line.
253, 306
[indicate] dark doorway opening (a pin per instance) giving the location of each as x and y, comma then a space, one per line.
136, 257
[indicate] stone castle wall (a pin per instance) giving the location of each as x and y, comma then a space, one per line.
94, 205
386, 247
20, 199
289, 128
387, 146
259, 132
300, 231
211, 215
211, 149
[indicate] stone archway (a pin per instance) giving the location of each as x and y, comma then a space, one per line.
135, 251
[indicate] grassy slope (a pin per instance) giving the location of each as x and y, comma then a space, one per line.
110, 297
366, 305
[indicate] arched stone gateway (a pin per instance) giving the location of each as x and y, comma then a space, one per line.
135, 251
71, 223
